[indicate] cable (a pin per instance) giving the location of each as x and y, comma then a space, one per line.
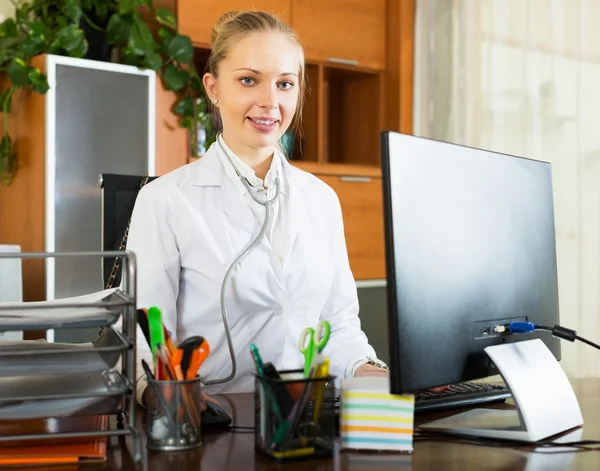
268, 204
528, 327
582, 445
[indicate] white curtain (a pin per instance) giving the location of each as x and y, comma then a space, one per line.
523, 77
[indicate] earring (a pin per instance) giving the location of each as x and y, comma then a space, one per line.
215, 101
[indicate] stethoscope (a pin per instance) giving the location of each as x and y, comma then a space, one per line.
255, 192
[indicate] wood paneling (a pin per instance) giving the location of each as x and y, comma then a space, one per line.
354, 116
400, 65
22, 203
196, 19
350, 30
172, 146
362, 208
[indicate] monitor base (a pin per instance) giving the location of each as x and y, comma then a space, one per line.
545, 403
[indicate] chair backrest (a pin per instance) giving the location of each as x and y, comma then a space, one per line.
119, 193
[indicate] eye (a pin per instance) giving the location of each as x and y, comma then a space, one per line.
286, 85
247, 80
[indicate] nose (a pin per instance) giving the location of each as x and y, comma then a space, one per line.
268, 99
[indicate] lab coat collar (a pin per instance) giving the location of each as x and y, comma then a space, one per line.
209, 172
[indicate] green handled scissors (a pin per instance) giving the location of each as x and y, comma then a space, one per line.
313, 342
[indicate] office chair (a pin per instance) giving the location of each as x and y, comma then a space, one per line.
119, 193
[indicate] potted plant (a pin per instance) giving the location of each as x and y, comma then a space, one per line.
58, 27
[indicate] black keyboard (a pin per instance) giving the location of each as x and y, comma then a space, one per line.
466, 394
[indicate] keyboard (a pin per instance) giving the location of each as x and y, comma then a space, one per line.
466, 394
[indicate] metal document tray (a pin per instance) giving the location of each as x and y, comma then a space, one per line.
56, 315
30, 397
32, 357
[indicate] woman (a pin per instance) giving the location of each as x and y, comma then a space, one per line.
190, 225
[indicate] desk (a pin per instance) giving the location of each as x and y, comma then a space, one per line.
235, 451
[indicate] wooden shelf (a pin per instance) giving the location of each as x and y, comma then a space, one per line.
348, 170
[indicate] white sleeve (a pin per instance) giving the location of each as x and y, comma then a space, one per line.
347, 344
153, 241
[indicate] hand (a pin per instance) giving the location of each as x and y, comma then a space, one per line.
439, 389
370, 370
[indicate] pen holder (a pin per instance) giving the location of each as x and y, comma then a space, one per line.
173, 414
294, 416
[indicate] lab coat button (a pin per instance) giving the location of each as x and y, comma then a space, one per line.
277, 309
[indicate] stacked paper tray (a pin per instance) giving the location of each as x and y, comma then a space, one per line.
96, 310
35, 357
373, 419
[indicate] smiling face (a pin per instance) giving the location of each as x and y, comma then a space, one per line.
257, 85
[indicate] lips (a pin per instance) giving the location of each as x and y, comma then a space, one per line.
264, 121
263, 124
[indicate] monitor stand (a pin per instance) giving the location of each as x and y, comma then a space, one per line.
545, 404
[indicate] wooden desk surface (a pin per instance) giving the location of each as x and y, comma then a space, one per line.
235, 451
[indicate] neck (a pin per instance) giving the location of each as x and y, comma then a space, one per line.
258, 159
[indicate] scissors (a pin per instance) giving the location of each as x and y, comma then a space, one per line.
312, 343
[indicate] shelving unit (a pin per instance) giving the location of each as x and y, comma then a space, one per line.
40, 380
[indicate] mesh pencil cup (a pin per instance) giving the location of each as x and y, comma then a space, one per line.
173, 414
294, 416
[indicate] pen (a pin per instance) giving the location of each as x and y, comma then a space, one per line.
157, 335
158, 395
257, 360
319, 393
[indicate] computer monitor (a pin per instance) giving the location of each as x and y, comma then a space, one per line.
470, 243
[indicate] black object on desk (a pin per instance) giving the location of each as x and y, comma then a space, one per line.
467, 394
215, 416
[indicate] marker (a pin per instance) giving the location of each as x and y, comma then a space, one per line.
257, 360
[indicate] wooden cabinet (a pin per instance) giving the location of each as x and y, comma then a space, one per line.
350, 31
196, 18
361, 197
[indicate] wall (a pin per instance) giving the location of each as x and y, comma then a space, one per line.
6, 9
522, 78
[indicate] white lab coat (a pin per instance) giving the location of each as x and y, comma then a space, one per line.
187, 228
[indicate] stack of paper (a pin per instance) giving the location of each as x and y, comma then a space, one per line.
371, 418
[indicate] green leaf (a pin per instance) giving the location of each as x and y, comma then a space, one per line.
32, 45
101, 8
154, 61
72, 40
125, 6
86, 4
36, 28
8, 28
118, 28
39, 81
180, 49
141, 41
165, 34
9, 43
187, 123
197, 84
73, 9
175, 79
129, 58
184, 107
18, 72
166, 18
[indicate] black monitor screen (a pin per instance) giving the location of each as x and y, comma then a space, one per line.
470, 243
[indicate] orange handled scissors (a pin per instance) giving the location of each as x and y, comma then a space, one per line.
190, 354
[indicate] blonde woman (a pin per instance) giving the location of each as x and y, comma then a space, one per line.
190, 227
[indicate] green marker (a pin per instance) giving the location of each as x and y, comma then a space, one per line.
155, 327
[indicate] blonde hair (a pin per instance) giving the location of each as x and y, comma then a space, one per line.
234, 25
